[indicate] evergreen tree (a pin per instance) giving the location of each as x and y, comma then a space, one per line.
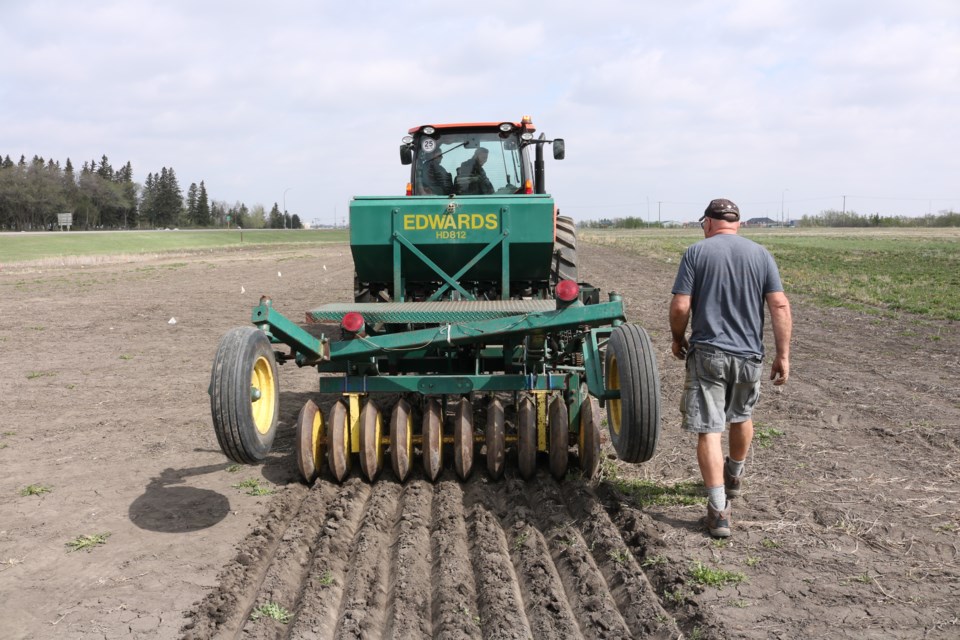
192, 203
276, 218
295, 222
203, 207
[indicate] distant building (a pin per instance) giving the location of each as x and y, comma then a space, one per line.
760, 222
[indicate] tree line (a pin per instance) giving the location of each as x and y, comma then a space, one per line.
828, 218
33, 192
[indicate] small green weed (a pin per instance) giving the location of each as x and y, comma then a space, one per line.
252, 485
234, 468
764, 436
273, 611
35, 490
38, 328
767, 543
3, 445
677, 596
696, 634
8, 433
752, 561
864, 578
717, 578
720, 543
740, 604
648, 493
618, 555
124, 356
653, 561
40, 374
521, 540
327, 578
948, 527
88, 542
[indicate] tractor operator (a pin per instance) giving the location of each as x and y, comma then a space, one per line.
436, 180
471, 178
722, 282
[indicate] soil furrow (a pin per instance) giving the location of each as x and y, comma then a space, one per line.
409, 597
635, 596
590, 599
501, 607
323, 588
365, 592
544, 596
456, 611
223, 612
290, 563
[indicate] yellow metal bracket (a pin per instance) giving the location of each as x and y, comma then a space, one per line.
541, 397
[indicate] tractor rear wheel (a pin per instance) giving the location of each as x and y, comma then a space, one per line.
245, 395
630, 367
565, 251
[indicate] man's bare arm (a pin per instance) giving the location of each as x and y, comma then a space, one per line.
679, 317
782, 321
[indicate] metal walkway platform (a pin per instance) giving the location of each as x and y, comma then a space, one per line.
445, 312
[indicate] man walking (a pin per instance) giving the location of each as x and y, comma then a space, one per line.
722, 282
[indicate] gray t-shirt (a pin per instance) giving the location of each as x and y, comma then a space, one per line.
727, 277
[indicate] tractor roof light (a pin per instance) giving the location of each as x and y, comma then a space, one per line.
526, 135
352, 322
429, 130
406, 139
526, 120
506, 127
567, 291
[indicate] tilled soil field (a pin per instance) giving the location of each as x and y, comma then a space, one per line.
849, 526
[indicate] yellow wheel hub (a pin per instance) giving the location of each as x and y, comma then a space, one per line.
613, 406
263, 395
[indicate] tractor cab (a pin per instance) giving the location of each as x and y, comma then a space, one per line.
490, 158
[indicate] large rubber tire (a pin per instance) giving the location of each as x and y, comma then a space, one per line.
245, 395
630, 366
564, 265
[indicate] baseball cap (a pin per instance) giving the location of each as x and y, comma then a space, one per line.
722, 209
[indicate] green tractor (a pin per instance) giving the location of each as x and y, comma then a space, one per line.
469, 334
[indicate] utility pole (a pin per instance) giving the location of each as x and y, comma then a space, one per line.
844, 205
285, 206
660, 222
782, 196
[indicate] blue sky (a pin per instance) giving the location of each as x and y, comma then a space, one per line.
663, 105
